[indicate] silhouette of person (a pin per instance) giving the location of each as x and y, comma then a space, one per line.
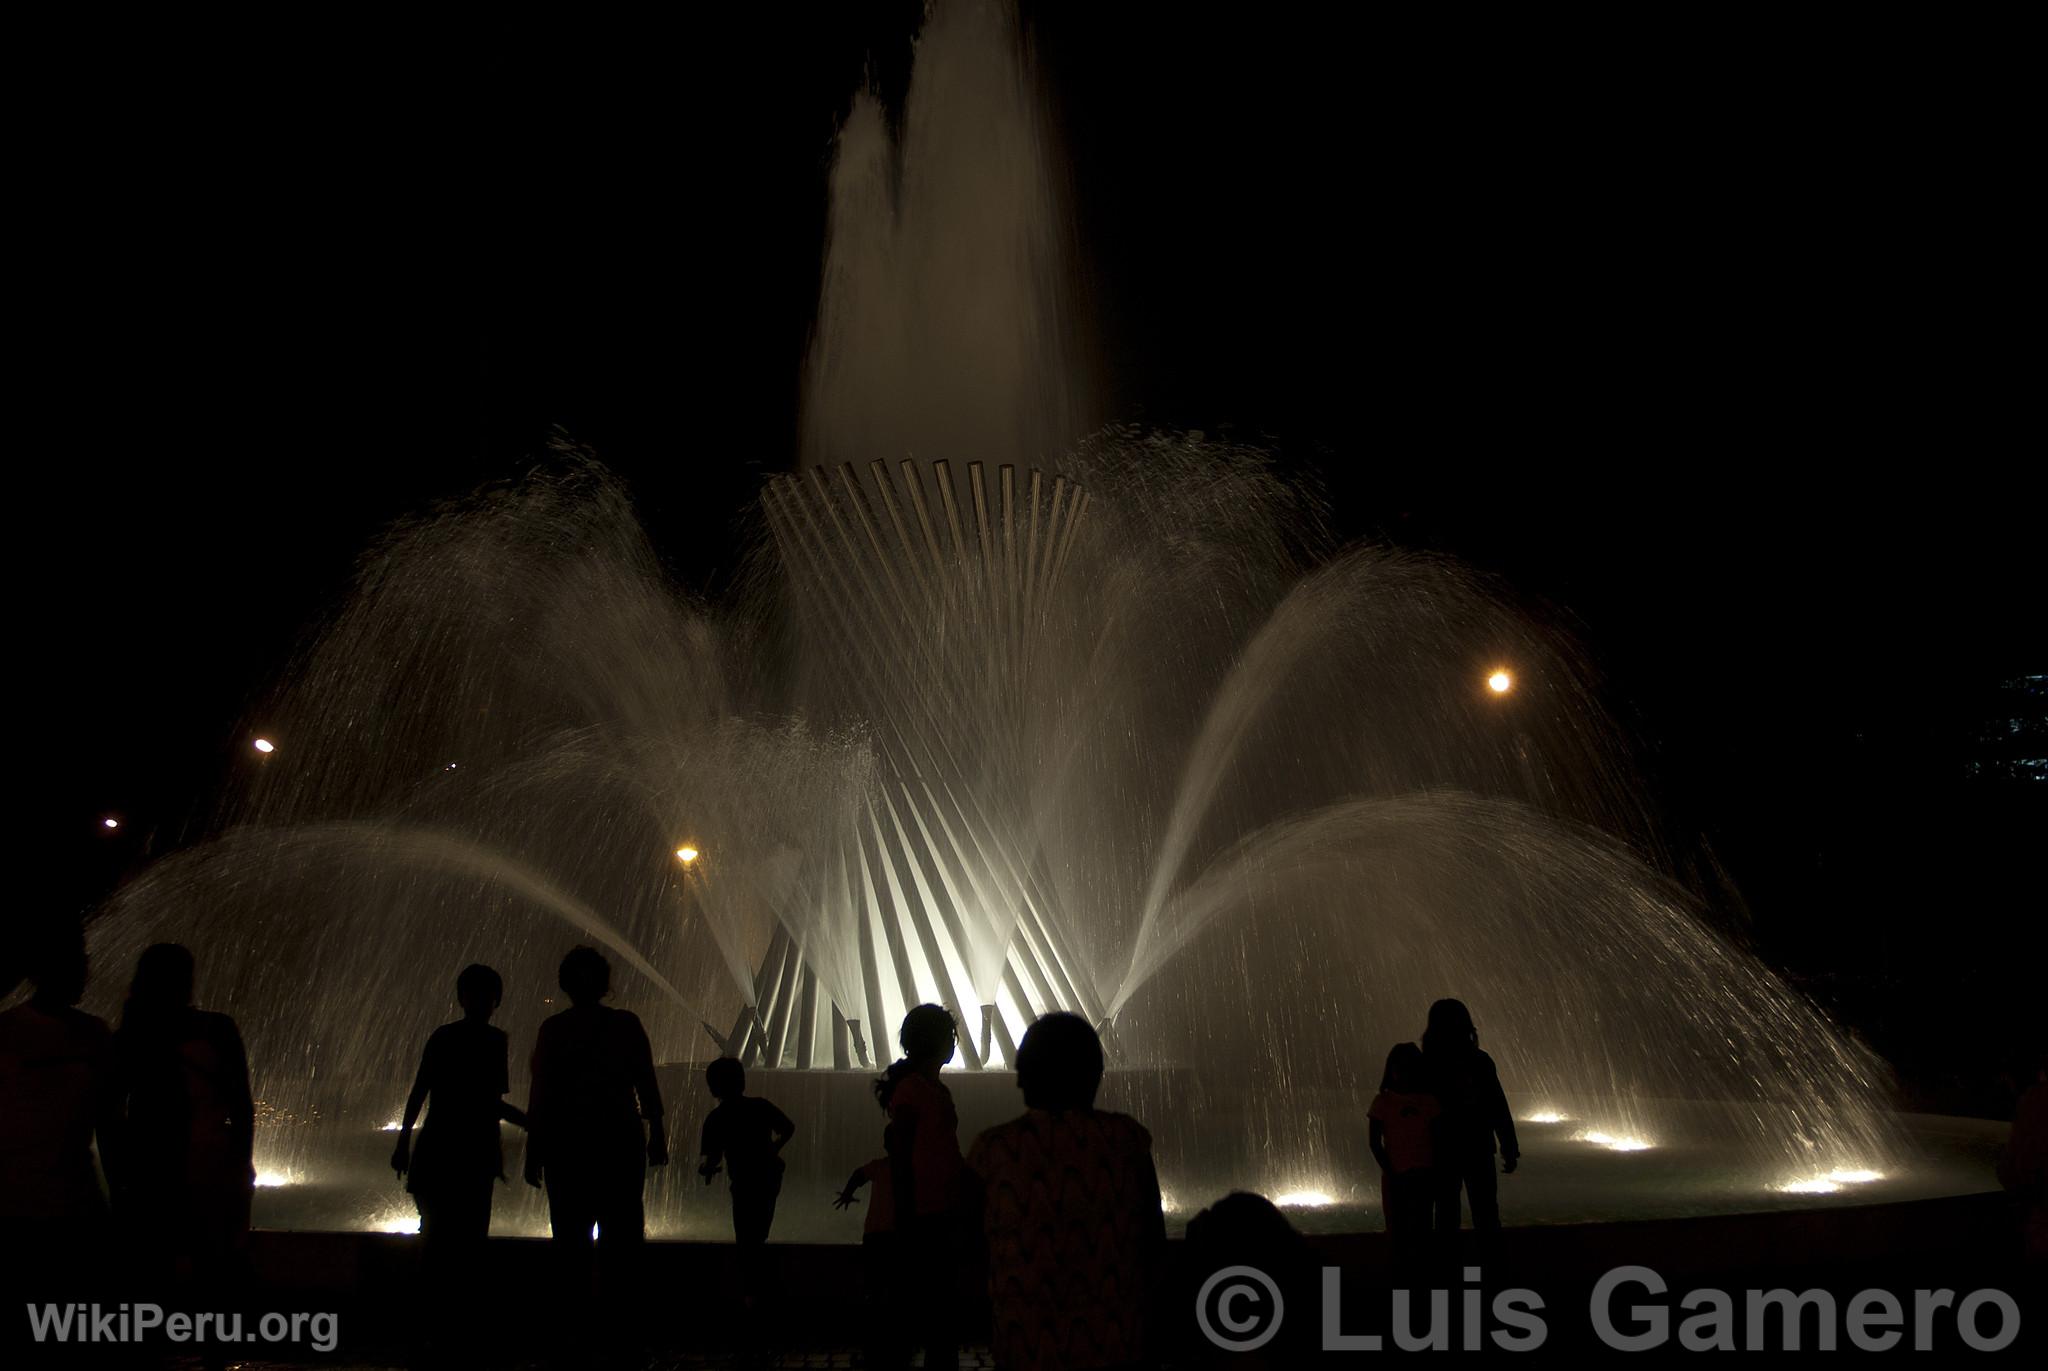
1401, 1121
1070, 1211
1474, 1113
57, 1096
183, 1175
927, 1178
2023, 1170
593, 1084
881, 1262
748, 1133
459, 1158
1249, 1230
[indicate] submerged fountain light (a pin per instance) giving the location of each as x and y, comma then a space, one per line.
1613, 1143
1545, 1116
1500, 682
273, 1179
405, 1222
1303, 1199
265, 746
1831, 1183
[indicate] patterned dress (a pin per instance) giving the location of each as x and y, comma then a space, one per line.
1075, 1238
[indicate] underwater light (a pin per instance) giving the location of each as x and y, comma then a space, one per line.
401, 1221
1612, 1143
1545, 1116
1303, 1199
273, 1179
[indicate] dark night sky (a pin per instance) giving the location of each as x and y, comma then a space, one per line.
1709, 341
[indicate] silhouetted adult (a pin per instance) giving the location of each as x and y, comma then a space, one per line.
2023, 1169
1474, 1113
463, 1072
1243, 1230
1070, 1211
593, 1085
57, 1095
183, 1175
927, 1174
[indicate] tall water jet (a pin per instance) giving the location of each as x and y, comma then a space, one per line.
945, 321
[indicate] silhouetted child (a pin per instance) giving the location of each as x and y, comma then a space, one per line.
881, 1261
459, 1158
748, 1133
1475, 1112
1070, 1209
928, 1178
184, 1177
1402, 1120
593, 1084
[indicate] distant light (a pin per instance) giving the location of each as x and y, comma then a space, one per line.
1500, 682
271, 1179
1612, 1143
1544, 1116
686, 854
449, 767
111, 823
265, 746
1303, 1199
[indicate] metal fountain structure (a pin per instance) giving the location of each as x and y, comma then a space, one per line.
934, 893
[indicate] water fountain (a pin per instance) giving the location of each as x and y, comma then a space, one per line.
1006, 720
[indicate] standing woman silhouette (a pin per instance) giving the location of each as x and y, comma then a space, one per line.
1475, 1112
184, 1178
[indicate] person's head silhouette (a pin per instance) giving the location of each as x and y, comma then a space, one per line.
1450, 1029
1059, 1064
479, 990
57, 965
585, 976
1403, 1074
726, 1078
163, 978
928, 1036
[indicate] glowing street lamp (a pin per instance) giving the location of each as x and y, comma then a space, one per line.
1500, 682
265, 746
686, 854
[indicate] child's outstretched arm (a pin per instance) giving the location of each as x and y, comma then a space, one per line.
849, 1193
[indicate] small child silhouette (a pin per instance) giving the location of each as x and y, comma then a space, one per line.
748, 1133
1401, 1117
881, 1262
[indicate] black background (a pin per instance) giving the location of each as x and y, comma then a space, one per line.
1717, 341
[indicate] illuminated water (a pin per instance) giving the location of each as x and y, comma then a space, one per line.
1166, 756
